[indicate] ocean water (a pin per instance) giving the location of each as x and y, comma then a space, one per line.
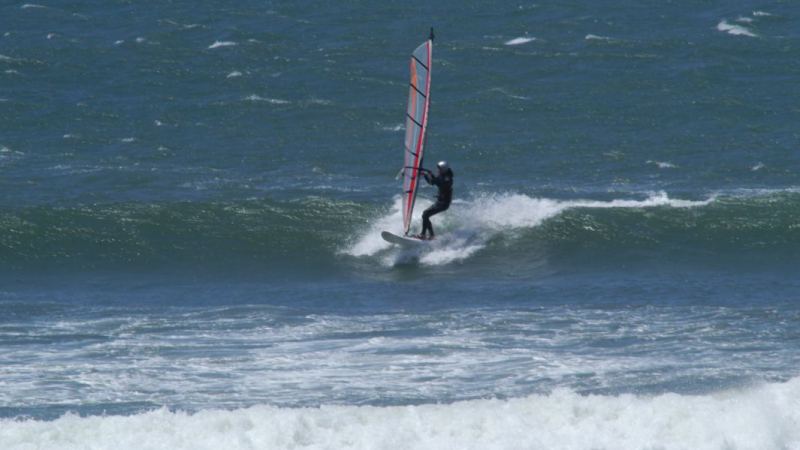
192, 195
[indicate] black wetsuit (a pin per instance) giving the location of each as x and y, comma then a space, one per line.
444, 182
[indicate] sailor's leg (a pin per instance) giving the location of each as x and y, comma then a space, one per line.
426, 217
427, 226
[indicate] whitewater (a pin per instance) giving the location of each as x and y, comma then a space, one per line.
470, 224
761, 417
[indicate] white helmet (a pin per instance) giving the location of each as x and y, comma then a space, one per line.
443, 166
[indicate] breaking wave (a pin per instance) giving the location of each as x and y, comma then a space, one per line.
736, 30
218, 44
324, 230
761, 417
520, 40
471, 225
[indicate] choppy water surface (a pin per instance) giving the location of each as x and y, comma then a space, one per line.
191, 196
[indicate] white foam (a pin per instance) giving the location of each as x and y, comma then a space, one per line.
4, 149
398, 127
9, 154
594, 37
128, 140
762, 417
319, 101
140, 40
274, 101
757, 167
371, 242
469, 224
736, 30
451, 248
158, 123
7, 58
509, 94
51, 35
759, 192
218, 44
662, 164
744, 19
184, 26
520, 40
32, 5
761, 14
510, 211
12, 72
119, 42
234, 74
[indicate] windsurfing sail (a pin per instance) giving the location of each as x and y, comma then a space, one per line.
416, 125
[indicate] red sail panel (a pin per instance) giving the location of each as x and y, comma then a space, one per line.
416, 125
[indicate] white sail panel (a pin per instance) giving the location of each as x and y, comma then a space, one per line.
416, 125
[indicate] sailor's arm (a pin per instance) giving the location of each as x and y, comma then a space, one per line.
427, 175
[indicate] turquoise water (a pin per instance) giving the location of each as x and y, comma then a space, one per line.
192, 196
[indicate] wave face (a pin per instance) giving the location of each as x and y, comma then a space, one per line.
326, 232
197, 234
763, 418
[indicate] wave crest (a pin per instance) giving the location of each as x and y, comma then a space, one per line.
469, 225
762, 417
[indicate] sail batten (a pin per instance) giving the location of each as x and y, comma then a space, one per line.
416, 125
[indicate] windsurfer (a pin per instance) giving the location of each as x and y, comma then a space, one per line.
444, 181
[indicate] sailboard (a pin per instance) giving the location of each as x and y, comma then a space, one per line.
403, 241
416, 126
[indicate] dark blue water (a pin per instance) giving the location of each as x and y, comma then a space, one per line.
192, 195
